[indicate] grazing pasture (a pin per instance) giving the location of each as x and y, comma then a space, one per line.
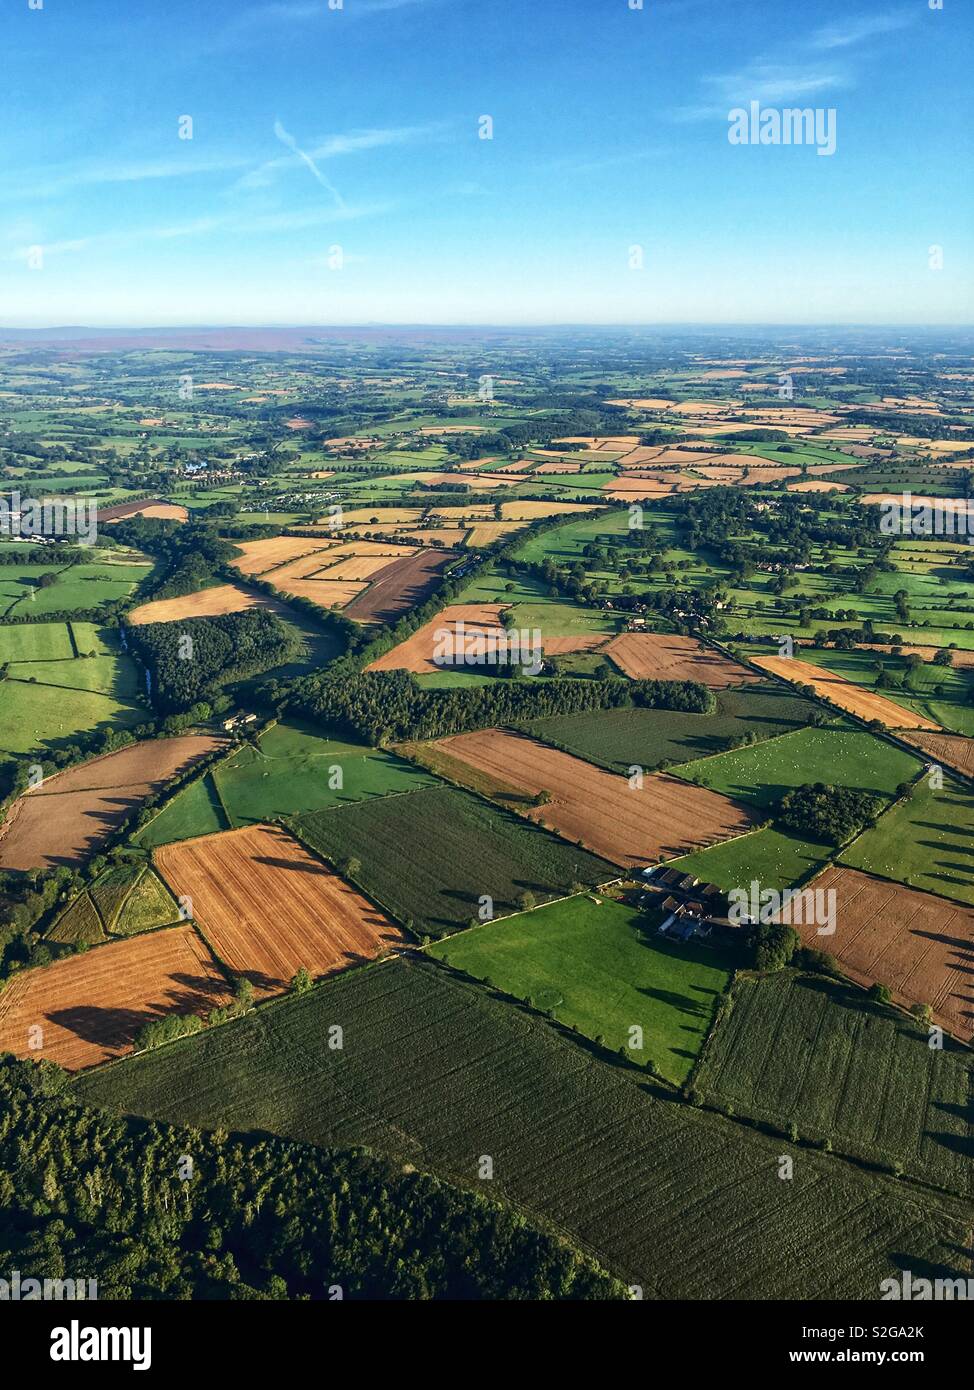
926, 841
599, 966
816, 1053
846, 757
597, 809
293, 769
196, 810
90, 1007
775, 858
431, 857
268, 907
689, 1205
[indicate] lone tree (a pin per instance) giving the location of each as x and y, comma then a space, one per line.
301, 982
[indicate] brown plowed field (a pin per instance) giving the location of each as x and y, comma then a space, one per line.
866, 704
919, 945
659, 656
598, 809
398, 587
267, 906
69, 816
416, 653
157, 507
953, 749
91, 1006
207, 603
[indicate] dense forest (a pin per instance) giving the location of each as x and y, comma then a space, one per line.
153, 1211
193, 660
385, 707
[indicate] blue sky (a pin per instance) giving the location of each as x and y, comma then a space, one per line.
357, 128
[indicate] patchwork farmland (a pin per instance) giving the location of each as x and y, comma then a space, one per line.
686, 1204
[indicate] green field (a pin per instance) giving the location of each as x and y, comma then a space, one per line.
684, 1203
194, 811
35, 716
107, 675
77, 588
148, 905
845, 757
36, 642
772, 857
799, 1049
621, 738
599, 966
78, 924
294, 770
430, 857
925, 842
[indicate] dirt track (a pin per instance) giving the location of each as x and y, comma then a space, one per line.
598, 809
267, 906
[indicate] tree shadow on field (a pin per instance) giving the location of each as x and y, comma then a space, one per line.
673, 1000
104, 1027
295, 866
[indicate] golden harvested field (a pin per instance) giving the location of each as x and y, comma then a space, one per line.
206, 603
162, 511
854, 699
68, 816
818, 485
961, 660
954, 750
416, 653
600, 810
325, 593
356, 567
487, 532
268, 907
258, 557
90, 1007
659, 656
919, 945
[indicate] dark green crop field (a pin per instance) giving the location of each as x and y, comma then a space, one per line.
621, 738
430, 856
437, 1073
802, 1050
